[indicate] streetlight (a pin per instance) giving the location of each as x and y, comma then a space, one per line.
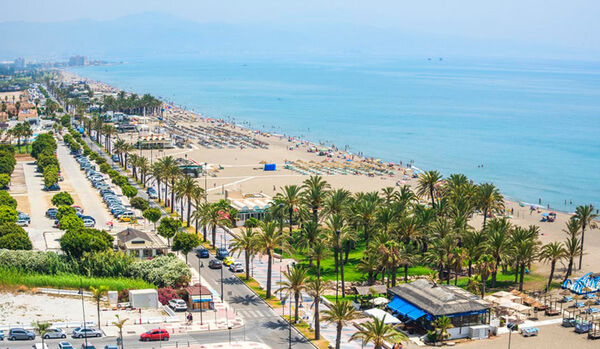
83, 308
200, 266
229, 328
337, 269
511, 327
222, 281
205, 183
290, 300
281, 231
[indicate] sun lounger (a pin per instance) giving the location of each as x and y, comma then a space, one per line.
529, 332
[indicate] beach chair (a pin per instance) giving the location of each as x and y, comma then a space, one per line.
579, 305
567, 299
530, 332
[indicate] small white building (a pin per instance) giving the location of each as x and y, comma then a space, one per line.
144, 298
248, 205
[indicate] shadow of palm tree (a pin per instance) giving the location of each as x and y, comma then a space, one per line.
246, 300
232, 280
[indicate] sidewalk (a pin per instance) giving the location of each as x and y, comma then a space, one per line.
328, 331
240, 345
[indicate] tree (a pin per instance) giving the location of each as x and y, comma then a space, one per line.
70, 222
552, 252
572, 244
315, 191
75, 243
215, 217
139, 203
484, 267
498, 242
268, 238
318, 252
65, 210
120, 324
129, 191
316, 288
294, 285
340, 313
186, 187
41, 328
50, 176
168, 227
584, 214
153, 215
428, 182
185, 242
62, 198
291, 198
489, 200
244, 241
441, 325
7, 200
7, 215
377, 332
97, 294
16, 240
4, 180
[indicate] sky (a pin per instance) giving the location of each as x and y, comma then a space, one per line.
569, 24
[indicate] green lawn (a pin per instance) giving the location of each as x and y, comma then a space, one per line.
11, 277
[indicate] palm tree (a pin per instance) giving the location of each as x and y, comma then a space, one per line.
428, 182
489, 199
474, 243
186, 188
363, 212
318, 251
498, 243
108, 131
572, 248
215, 218
525, 245
133, 161
338, 233
316, 288
143, 166
369, 265
158, 173
267, 240
484, 266
120, 324
196, 196
378, 332
311, 232
336, 201
441, 325
340, 313
315, 190
552, 252
295, 284
584, 214
41, 328
391, 255
244, 241
97, 294
291, 198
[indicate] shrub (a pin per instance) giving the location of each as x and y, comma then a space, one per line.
165, 294
120, 180
33, 261
7, 214
129, 191
65, 210
71, 222
62, 198
76, 242
152, 214
16, 241
100, 160
4, 180
162, 271
104, 167
112, 173
251, 222
7, 200
140, 203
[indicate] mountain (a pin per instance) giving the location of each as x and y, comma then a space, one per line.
159, 34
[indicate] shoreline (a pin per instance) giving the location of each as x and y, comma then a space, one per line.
244, 124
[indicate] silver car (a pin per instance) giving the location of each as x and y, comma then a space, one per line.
81, 332
55, 333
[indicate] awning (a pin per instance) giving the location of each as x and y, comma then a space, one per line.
405, 309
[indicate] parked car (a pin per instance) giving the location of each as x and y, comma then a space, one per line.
157, 334
236, 267
20, 333
152, 193
89, 345
111, 347
56, 223
53, 187
215, 264
89, 223
51, 212
78, 209
115, 158
64, 345
81, 332
1, 335
202, 252
40, 346
22, 222
106, 191
228, 261
23, 215
55, 333
127, 216
178, 304
222, 253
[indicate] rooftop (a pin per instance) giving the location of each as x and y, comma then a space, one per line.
134, 239
438, 300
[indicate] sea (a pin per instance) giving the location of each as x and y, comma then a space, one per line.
530, 127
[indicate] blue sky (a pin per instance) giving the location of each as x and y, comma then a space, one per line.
569, 24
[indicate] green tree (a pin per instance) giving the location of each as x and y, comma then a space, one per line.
489, 200
168, 227
70, 222
340, 313
291, 197
129, 191
50, 176
315, 192
244, 241
294, 285
7, 215
97, 295
139, 203
65, 210
552, 252
4, 180
15, 241
378, 332
441, 325
316, 288
268, 238
585, 215
62, 198
41, 328
185, 242
153, 215
7, 200
120, 324
427, 186
75, 243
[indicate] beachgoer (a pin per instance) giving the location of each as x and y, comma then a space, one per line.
540, 201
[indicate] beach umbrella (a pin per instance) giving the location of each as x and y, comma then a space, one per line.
544, 214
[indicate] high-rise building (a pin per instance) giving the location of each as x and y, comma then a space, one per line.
77, 61
20, 63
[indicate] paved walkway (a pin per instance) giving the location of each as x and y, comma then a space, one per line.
236, 345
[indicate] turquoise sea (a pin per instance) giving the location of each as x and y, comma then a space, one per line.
534, 126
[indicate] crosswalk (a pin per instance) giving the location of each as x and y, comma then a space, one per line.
254, 314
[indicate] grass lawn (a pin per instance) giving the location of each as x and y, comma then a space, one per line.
531, 281
10, 277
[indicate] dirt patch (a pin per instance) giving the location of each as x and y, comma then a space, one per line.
17, 180
23, 203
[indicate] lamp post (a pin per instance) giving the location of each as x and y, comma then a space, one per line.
229, 328
290, 300
281, 231
511, 327
222, 281
337, 269
205, 183
200, 266
83, 308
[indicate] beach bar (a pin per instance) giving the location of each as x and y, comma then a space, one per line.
248, 205
421, 302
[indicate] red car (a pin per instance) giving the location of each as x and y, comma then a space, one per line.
157, 334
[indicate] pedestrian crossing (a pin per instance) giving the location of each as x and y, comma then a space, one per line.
254, 314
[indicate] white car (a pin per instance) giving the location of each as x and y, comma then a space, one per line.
55, 333
80, 332
89, 223
178, 304
236, 267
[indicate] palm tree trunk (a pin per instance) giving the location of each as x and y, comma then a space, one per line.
205, 233
470, 268
172, 195
336, 263
338, 335
406, 273
98, 309
291, 217
394, 272
569, 268
189, 210
485, 211
342, 274
296, 300
582, 237
318, 267
522, 276
552, 266
269, 266
347, 252
214, 236
517, 270
317, 324
196, 226
247, 256
432, 198
495, 271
